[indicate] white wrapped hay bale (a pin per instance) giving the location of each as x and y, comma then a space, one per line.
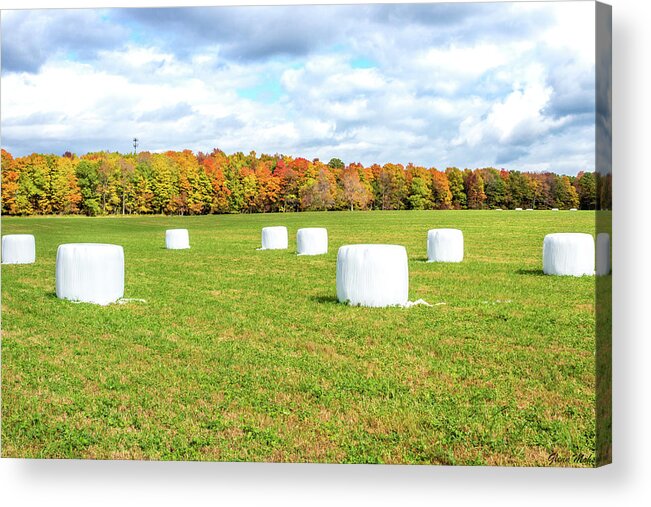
498, 209
554, 209
518, 209
444, 245
529, 209
274, 238
312, 241
573, 209
603, 253
372, 275
570, 254
90, 272
177, 239
18, 249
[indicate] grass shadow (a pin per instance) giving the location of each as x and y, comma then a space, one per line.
332, 300
531, 272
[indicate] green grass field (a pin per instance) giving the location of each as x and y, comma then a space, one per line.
245, 355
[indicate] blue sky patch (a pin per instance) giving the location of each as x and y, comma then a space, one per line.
269, 90
362, 63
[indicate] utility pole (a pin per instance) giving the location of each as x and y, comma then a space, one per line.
135, 145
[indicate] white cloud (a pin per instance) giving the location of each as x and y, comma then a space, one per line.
519, 116
574, 30
462, 61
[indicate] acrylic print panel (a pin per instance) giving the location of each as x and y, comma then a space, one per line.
371, 123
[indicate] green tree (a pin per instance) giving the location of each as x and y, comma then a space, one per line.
336, 163
33, 195
494, 188
88, 181
519, 190
142, 192
10, 184
455, 182
419, 194
65, 193
564, 193
164, 183
249, 190
586, 189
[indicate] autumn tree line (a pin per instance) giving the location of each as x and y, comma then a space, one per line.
187, 184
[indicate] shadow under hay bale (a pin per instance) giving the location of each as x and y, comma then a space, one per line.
325, 299
531, 272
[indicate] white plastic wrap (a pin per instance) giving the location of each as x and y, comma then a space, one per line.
372, 275
90, 272
573, 209
518, 209
274, 238
554, 209
529, 209
444, 245
312, 241
177, 239
603, 253
18, 249
498, 209
570, 254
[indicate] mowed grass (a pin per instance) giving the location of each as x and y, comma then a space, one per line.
245, 355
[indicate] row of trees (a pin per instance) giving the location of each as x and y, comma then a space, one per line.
184, 183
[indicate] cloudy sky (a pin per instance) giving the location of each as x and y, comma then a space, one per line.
503, 84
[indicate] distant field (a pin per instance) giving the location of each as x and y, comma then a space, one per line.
245, 355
